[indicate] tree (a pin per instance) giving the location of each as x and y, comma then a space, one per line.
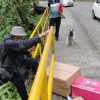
16, 12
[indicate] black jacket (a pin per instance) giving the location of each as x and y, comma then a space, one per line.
15, 50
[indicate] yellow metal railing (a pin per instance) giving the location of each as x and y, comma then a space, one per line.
41, 27
40, 88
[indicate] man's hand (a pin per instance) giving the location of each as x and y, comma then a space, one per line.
45, 33
48, 31
31, 49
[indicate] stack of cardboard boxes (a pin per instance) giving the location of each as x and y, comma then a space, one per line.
63, 78
67, 80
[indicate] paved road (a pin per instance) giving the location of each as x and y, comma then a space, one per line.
83, 12
84, 53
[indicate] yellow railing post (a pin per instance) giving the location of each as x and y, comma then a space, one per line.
32, 54
50, 80
43, 24
53, 44
44, 92
40, 51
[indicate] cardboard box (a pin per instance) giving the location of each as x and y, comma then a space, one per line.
86, 88
64, 76
78, 98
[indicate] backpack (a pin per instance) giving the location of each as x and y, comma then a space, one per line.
60, 8
60, 5
5, 76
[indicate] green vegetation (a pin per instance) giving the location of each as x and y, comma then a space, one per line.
9, 92
15, 13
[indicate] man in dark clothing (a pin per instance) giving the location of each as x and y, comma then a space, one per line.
13, 50
55, 16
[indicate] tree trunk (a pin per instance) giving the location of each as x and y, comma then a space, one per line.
24, 20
